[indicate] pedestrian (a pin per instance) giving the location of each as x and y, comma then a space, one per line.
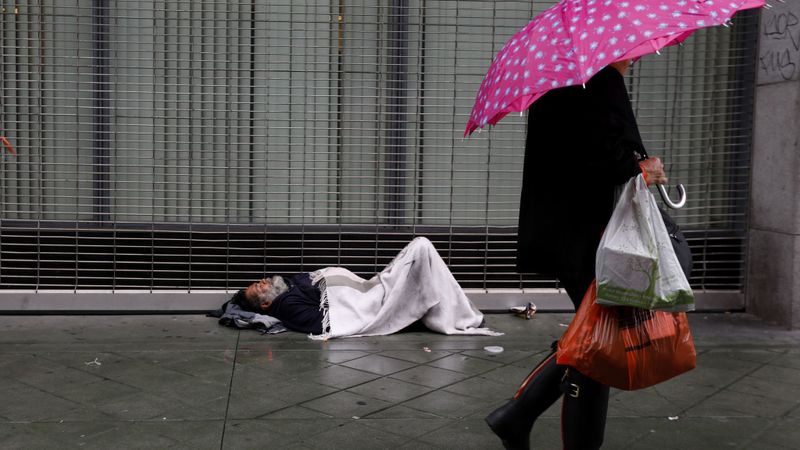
582, 146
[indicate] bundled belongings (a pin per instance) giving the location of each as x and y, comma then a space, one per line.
232, 315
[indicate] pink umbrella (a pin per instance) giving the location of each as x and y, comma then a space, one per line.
572, 40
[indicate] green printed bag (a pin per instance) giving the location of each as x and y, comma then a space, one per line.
636, 264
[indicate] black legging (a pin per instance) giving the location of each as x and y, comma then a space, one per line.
576, 284
583, 417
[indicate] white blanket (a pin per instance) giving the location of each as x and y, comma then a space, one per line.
416, 285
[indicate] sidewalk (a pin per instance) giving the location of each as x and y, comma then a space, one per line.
186, 382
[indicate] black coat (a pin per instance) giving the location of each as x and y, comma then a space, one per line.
581, 144
299, 307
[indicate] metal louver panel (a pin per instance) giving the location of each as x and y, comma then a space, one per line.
195, 144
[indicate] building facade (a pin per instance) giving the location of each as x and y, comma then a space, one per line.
171, 152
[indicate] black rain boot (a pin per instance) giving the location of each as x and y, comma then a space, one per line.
583, 412
513, 421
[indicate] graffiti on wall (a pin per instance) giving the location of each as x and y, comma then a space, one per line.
779, 52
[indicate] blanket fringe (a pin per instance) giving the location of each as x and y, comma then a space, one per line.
319, 279
478, 331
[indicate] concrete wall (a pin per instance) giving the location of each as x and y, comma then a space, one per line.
773, 284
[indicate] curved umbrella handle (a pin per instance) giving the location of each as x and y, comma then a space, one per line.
665, 196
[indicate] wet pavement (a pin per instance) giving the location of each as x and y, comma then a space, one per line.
185, 382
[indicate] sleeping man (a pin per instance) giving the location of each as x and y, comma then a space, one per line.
334, 302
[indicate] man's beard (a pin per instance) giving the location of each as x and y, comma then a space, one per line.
276, 287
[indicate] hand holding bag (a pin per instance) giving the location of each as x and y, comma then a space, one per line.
636, 264
624, 347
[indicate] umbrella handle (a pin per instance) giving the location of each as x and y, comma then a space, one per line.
665, 196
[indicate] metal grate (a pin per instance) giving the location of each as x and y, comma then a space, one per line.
195, 144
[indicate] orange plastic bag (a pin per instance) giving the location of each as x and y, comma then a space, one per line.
625, 347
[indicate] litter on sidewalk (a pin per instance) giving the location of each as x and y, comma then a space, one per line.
524, 311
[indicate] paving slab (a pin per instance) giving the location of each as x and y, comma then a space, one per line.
178, 381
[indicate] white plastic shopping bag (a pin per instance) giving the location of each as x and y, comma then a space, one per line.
636, 265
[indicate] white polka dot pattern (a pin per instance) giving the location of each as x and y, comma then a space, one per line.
572, 40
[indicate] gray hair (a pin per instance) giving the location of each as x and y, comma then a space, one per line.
277, 287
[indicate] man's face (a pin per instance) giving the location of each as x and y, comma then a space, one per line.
256, 290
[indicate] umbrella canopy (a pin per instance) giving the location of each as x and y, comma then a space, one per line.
572, 40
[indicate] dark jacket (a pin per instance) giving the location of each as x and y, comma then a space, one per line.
581, 144
299, 307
